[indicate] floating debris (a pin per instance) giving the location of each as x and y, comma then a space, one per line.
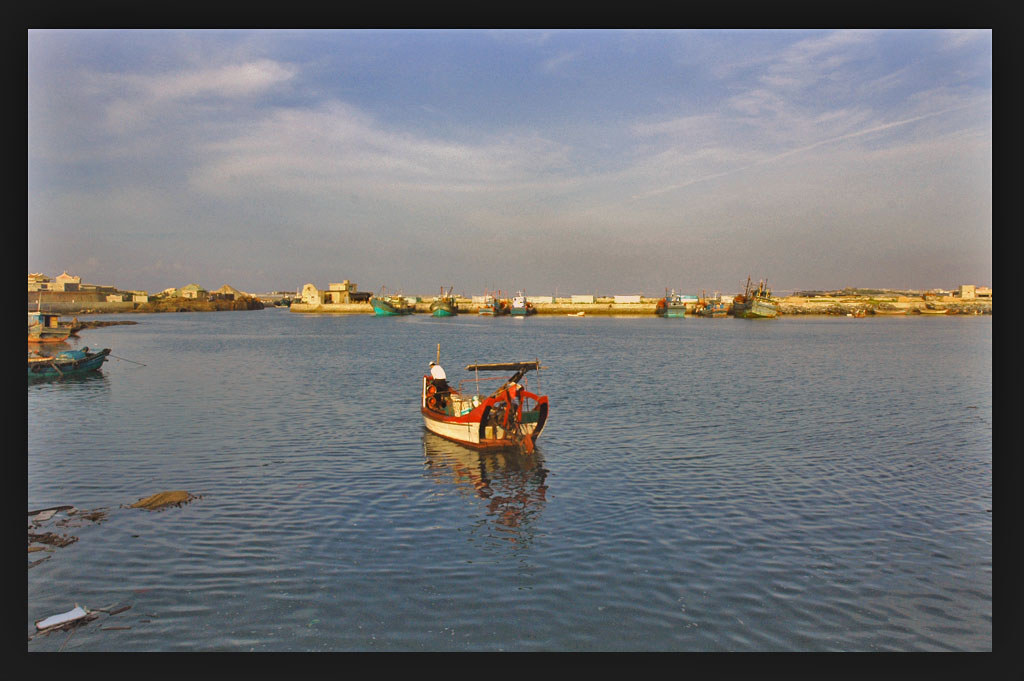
163, 499
52, 622
51, 538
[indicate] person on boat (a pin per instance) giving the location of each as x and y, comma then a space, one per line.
440, 381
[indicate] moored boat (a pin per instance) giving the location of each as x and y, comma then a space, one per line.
521, 307
444, 305
47, 328
493, 305
674, 304
712, 306
391, 305
67, 363
507, 416
933, 310
755, 302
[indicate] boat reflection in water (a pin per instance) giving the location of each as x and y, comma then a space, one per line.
510, 481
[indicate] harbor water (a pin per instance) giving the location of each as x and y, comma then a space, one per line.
796, 484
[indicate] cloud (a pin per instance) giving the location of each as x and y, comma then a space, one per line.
135, 98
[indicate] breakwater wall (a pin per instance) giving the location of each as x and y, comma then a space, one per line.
645, 308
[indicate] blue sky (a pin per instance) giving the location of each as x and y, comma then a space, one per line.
579, 161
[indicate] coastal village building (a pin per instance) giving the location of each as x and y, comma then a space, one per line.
38, 282
342, 293
194, 292
227, 292
67, 282
969, 292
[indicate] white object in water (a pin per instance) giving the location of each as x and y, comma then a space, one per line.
76, 613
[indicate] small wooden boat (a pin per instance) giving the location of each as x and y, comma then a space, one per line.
933, 310
47, 328
755, 303
521, 307
391, 305
67, 363
444, 305
507, 416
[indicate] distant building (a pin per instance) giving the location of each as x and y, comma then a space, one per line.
627, 299
67, 282
38, 282
336, 293
311, 295
540, 299
576, 299
194, 292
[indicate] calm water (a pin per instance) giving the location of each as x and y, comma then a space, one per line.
799, 484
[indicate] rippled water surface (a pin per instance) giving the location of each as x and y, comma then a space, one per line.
798, 484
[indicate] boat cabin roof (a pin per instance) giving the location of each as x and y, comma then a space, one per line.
505, 366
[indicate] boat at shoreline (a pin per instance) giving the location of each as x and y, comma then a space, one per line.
674, 304
67, 363
493, 306
391, 305
44, 327
755, 303
521, 307
712, 307
444, 305
507, 416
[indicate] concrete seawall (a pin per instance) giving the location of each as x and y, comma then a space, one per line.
787, 307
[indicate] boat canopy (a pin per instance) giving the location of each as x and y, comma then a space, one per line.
505, 366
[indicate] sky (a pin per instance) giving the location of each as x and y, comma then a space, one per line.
556, 162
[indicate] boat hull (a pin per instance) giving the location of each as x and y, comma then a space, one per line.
672, 311
443, 309
755, 309
383, 308
480, 422
66, 364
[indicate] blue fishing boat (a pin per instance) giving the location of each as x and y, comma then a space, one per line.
67, 363
674, 304
521, 307
444, 305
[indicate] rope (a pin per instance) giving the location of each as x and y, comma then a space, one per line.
127, 360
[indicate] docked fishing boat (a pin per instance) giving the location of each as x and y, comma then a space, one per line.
508, 415
674, 304
444, 305
493, 306
391, 305
521, 307
755, 302
933, 310
44, 327
712, 306
67, 363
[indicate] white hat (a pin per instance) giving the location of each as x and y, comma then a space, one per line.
433, 363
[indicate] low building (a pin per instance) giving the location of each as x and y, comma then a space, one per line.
39, 282
194, 292
627, 299
584, 298
66, 282
540, 299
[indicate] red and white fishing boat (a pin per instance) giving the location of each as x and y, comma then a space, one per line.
506, 415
